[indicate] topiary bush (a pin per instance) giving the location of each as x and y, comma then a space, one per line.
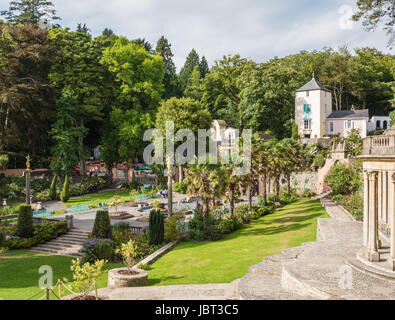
24, 226
52, 189
156, 227
102, 228
65, 195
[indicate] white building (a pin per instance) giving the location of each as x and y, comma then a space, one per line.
224, 137
312, 108
316, 119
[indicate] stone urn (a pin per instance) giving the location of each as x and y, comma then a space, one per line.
122, 278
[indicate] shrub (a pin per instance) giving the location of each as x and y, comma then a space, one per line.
229, 225
128, 251
65, 195
285, 198
180, 187
319, 161
156, 227
201, 229
243, 213
102, 227
171, 230
24, 227
52, 190
97, 249
84, 275
344, 179
2, 239
42, 232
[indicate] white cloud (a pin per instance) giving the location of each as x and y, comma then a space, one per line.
257, 29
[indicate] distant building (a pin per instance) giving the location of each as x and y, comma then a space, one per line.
224, 137
316, 119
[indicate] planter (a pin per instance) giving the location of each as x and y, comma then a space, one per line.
116, 278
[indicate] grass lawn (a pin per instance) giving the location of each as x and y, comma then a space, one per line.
19, 273
96, 198
229, 259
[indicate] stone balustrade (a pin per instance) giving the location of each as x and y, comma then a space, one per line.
380, 145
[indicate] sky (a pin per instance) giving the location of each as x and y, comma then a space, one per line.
255, 29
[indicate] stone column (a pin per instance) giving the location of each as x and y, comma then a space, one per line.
373, 241
392, 219
385, 201
365, 214
27, 176
380, 198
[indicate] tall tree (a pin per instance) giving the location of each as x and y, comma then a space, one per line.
30, 12
221, 89
143, 44
170, 81
80, 70
26, 99
140, 77
203, 67
108, 33
66, 133
193, 89
375, 11
191, 62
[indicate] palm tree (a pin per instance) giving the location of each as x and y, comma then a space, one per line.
206, 180
234, 184
261, 163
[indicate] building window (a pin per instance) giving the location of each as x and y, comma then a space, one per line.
326, 108
349, 124
331, 127
385, 125
307, 124
378, 124
307, 93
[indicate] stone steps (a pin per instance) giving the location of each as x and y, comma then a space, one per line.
69, 244
264, 287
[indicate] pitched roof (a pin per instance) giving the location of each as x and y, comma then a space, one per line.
349, 114
313, 84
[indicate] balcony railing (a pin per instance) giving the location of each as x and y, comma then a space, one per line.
380, 145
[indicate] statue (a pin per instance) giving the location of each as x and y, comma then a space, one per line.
28, 162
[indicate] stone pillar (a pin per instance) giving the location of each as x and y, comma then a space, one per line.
365, 214
27, 176
373, 241
392, 219
385, 201
380, 198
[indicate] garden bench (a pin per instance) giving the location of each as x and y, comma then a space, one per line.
142, 198
43, 214
78, 208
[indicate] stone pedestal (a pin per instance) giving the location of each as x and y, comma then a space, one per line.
118, 280
27, 176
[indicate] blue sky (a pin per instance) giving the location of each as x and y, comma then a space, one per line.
256, 29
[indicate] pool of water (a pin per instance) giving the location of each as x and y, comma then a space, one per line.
190, 206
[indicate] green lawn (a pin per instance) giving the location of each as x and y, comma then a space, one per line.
229, 259
19, 273
96, 198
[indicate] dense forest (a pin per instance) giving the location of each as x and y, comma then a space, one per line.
64, 92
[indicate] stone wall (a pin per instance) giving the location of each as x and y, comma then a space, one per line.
302, 181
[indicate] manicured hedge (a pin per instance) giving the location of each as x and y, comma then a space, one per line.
102, 228
156, 227
24, 227
42, 232
65, 195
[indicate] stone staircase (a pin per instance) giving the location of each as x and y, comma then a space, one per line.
315, 270
69, 244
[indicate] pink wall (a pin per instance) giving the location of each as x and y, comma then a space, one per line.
338, 124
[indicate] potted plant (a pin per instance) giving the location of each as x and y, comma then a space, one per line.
129, 276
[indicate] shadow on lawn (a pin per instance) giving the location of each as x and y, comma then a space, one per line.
154, 281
